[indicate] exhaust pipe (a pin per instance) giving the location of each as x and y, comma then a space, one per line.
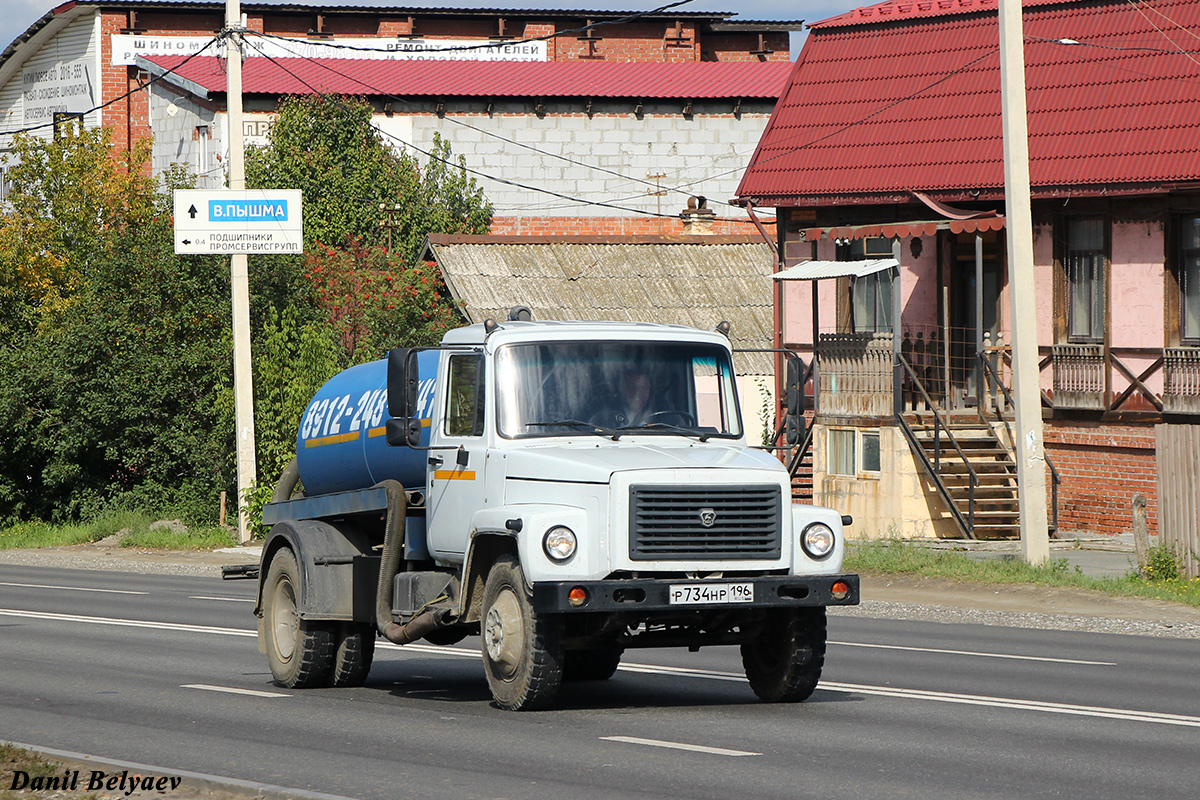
393, 546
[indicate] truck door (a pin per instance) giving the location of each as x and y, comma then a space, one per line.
455, 490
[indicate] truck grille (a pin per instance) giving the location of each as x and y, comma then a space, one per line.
680, 522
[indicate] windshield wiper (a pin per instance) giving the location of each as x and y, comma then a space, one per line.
650, 426
588, 427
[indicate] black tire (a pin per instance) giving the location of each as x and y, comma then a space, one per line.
598, 664
353, 655
522, 650
300, 653
783, 664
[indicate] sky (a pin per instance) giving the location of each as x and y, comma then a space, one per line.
20, 14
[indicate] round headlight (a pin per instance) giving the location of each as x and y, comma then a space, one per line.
559, 543
817, 540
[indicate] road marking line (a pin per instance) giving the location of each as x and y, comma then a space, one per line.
69, 588
695, 748
127, 623
255, 788
231, 690
1023, 705
832, 686
975, 653
226, 599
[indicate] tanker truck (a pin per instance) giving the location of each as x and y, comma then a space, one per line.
563, 490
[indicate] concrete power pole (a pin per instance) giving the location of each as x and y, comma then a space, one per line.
243, 379
1030, 456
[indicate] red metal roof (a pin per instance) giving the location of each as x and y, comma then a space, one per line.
912, 103
690, 80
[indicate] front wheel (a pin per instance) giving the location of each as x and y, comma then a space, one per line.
300, 653
522, 650
783, 663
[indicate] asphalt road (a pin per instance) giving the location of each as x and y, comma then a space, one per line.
164, 670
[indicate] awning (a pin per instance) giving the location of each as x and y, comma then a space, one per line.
816, 270
905, 229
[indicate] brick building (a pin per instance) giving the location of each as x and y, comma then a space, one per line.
887, 177
619, 113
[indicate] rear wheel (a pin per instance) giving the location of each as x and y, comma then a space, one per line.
783, 664
353, 656
522, 650
597, 664
300, 653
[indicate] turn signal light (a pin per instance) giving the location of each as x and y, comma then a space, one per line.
840, 590
577, 596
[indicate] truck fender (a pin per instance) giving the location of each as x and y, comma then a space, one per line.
486, 547
339, 570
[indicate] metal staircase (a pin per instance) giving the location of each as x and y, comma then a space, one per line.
981, 484
972, 468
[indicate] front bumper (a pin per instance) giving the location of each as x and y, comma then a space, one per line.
638, 595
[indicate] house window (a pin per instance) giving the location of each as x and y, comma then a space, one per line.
870, 451
202, 166
840, 452
870, 295
1189, 281
1085, 262
871, 302
851, 451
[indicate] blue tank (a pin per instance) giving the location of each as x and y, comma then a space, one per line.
341, 443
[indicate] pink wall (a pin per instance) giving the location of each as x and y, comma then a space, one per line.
1135, 294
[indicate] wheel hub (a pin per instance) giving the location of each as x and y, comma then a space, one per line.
285, 620
504, 632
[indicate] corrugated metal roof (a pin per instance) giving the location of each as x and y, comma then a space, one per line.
689, 280
914, 9
389, 7
643, 80
913, 104
817, 270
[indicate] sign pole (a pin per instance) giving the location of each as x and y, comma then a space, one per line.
243, 379
1030, 456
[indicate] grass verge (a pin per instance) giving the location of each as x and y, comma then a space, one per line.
889, 556
134, 527
37, 770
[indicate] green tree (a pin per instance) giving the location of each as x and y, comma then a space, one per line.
325, 146
116, 353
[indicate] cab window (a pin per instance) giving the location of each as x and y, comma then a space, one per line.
465, 396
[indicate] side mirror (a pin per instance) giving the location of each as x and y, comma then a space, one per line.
794, 429
402, 382
403, 432
794, 424
795, 385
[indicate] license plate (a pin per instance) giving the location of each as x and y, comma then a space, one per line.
690, 594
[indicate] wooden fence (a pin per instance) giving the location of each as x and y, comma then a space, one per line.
1178, 465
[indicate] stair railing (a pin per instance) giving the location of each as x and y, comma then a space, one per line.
993, 375
940, 426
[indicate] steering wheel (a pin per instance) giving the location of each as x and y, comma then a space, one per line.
607, 418
685, 419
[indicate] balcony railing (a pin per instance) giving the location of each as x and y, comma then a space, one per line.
855, 374
1181, 380
1079, 376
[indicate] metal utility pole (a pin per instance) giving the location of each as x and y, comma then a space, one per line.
1030, 456
243, 380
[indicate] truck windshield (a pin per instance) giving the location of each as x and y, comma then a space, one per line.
616, 388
